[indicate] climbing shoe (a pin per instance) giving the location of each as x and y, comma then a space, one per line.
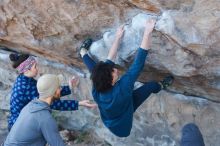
86, 44
167, 81
85, 47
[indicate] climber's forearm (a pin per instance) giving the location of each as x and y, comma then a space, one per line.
145, 44
113, 50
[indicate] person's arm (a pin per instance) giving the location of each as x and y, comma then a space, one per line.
65, 105
129, 78
70, 105
73, 82
50, 131
113, 50
65, 91
87, 103
145, 44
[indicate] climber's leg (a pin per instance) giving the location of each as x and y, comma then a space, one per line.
142, 93
191, 136
88, 62
84, 54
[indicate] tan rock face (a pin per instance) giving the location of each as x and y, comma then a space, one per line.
55, 28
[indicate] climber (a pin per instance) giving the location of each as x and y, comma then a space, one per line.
191, 136
116, 99
24, 89
35, 125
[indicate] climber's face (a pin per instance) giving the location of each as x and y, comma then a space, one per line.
115, 76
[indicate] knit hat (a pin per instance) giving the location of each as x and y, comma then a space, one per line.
48, 84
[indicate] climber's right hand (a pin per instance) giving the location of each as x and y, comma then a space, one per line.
149, 26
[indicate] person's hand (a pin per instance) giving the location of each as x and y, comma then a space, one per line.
120, 32
73, 82
149, 26
87, 103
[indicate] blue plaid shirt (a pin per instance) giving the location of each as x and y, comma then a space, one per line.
25, 89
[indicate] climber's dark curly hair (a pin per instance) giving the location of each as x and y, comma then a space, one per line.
102, 76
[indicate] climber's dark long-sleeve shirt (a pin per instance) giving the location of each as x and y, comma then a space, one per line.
116, 105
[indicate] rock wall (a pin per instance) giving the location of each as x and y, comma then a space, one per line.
170, 53
185, 43
54, 29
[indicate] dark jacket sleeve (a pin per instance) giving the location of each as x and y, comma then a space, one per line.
128, 79
65, 105
65, 91
50, 131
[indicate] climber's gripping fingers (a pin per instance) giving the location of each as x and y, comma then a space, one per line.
149, 26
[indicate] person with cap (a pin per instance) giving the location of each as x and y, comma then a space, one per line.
116, 98
24, 88
35, 126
